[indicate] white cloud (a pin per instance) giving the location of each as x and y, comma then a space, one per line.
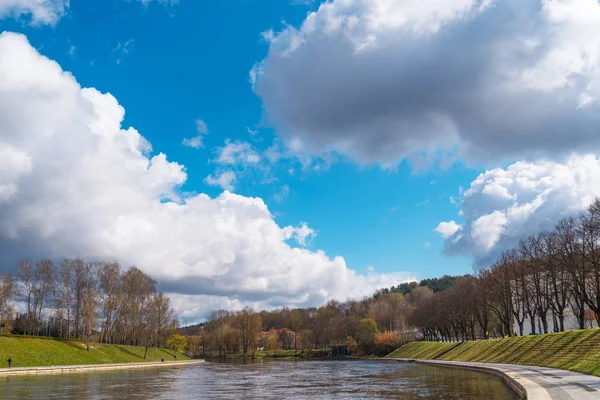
423, 203
301, 234
163, 2
15, 163
282, 194
225, 180
121, 50
255, 73
39, 12
447, 229
83, 185
504, 205
197, 142
485, 80
201, 127
237, 152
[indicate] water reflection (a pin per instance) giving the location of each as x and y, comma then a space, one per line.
268, 380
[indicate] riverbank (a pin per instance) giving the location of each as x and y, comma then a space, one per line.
522, 387
577, 351
314, 354
70, 369
44, 352
532, 383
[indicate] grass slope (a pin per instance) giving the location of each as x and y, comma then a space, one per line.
577, 351
36, 352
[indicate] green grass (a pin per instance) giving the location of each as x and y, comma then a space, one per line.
577, 351
36, 352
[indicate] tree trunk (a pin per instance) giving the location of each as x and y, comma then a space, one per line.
581, 318
544, 322
532, 321
521, 328
561, 321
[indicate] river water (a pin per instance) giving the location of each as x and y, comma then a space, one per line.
266, 380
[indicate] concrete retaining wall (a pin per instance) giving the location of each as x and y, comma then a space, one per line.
68, 369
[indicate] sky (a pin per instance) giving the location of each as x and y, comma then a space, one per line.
284, 153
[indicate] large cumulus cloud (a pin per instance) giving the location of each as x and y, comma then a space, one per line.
73, 182
489, 80
504, 205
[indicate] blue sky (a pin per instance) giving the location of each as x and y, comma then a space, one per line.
191, 61
372, 122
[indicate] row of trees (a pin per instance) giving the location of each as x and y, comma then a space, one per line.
85, 300
546, 277
372, 325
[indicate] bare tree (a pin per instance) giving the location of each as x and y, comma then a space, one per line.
590, 228
65, 292
7, 292
111, 293
571, 254
90, 301
137, 289
518, 282
159, 316
557, 276
27, 292
44, 276
502, 306
79, 282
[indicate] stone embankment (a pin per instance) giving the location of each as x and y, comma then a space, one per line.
67, 369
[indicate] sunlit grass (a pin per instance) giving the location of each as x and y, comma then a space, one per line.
33, 352
577, 351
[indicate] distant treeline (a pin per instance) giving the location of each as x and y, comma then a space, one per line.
435, 284
375, 325
91, 301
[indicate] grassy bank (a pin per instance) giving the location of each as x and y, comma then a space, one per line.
577, 351
37, 352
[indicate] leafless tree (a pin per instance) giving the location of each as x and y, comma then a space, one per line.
7, 292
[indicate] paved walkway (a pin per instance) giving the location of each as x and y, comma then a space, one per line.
539, 383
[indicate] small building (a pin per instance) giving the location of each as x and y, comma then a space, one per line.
339, 351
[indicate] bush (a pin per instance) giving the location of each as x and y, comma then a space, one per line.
387, 342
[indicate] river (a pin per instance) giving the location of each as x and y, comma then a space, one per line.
266, 380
